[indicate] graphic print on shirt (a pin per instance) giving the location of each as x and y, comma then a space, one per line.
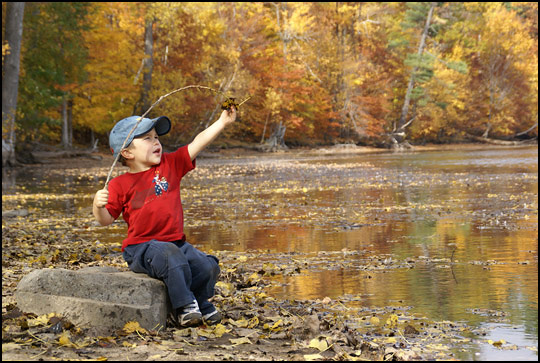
161, 185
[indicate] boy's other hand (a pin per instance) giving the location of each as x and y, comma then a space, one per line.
102, 198
228, 116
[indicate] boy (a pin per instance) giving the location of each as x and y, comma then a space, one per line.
148, 196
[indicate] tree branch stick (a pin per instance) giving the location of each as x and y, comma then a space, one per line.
147, 111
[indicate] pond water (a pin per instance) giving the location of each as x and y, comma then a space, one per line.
450, 235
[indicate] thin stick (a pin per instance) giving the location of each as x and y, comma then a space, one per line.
140, 118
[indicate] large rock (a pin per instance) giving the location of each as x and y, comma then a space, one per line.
103, 298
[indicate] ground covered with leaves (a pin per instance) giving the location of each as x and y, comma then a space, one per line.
255, 325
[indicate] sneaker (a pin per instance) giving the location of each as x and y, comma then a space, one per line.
212, 318
189, 315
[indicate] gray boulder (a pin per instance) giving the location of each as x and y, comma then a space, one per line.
99, 297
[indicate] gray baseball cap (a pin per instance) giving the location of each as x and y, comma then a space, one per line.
122, 128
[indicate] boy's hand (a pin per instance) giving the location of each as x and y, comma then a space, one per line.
228, 116
102, 198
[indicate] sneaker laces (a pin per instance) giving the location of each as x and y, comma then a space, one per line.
192, 307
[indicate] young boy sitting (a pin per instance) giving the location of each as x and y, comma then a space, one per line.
148, 197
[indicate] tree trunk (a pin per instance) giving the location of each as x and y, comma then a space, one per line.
500, 142
276, 141
405, 109
66, 127
92, 138
70, 122
264, 130
144, 102
10, 79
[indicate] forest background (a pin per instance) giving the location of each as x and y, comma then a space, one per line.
325, 73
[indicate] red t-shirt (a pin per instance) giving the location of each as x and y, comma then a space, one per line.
150, 200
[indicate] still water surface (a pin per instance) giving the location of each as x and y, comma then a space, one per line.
466, 222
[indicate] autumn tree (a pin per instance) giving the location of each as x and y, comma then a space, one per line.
504, 72
115, 55
316, 72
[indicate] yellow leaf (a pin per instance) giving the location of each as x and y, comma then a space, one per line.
215, 332
10, 346
225, 288
276, 324
132, 326
253, 322
392, 321
40, 320
64, 339
374, 320
254, 278
319, 343
310, 357
240, 323
498, 343
219, 330
391, 340
243, 340
129, 345
275, 327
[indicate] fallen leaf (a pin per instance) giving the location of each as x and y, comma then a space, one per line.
374, 320
392, 321
133, 326
64, 339
10, 346
238, 341
319, 343
40, 320
310, 357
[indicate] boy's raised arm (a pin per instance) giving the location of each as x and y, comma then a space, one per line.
203, 139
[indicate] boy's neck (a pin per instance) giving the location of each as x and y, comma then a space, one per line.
135, 167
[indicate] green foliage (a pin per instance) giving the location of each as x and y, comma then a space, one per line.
53, 59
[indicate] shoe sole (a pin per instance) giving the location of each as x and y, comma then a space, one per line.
190, 323
196, 320
213, 319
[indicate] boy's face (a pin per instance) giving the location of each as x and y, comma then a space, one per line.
144, 151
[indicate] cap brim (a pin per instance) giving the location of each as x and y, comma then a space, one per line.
161, 124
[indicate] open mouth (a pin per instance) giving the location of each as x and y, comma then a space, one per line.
157, 152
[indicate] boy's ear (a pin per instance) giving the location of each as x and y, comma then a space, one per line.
127, 154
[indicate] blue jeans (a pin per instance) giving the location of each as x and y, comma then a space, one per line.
187, 272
